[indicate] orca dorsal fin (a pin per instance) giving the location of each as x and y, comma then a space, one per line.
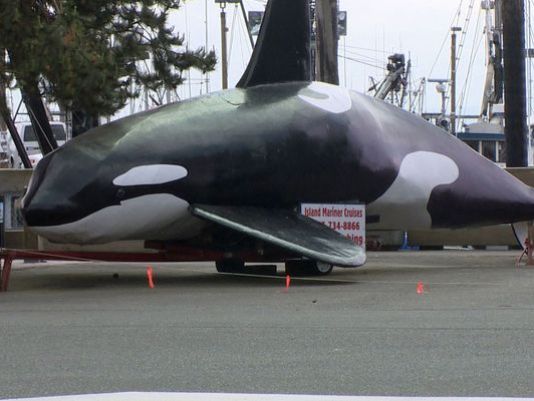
282, 52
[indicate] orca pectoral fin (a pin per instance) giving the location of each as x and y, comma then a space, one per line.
287, 230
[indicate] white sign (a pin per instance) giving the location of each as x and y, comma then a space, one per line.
348, 220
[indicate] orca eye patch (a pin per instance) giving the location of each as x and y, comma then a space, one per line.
153, 174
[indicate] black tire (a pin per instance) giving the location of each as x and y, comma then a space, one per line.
308, 268
230, 266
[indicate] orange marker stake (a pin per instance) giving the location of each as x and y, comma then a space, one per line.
420, 288
149, 272
288, 281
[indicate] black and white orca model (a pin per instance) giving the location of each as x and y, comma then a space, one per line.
244, 159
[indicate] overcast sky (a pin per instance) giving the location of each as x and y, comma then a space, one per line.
376, 29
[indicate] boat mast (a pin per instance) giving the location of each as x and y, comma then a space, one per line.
454, 31
493, 87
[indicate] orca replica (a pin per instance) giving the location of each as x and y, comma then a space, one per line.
227, 171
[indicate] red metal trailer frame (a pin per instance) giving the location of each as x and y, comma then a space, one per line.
165, 254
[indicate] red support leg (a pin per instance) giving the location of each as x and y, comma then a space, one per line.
5, 271
530, 246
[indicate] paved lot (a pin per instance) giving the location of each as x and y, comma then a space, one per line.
74, 328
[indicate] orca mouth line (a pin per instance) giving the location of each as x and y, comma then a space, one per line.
36, 217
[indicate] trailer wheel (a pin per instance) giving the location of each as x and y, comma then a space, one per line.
322, 268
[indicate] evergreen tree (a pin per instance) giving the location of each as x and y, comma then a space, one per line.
86, 54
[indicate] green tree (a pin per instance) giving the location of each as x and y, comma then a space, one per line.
87, 54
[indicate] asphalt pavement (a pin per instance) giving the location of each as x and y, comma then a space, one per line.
77, 328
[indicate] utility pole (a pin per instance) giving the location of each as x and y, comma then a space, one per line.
207, 32
313, 39
453, 78
515, 104
327, 41
224, 49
